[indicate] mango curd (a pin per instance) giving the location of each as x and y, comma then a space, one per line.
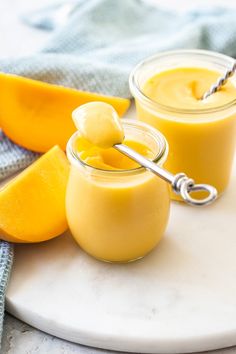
200, 133
184, 88
99, 123
116, 210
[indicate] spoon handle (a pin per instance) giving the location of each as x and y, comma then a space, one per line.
180, 183
220, 82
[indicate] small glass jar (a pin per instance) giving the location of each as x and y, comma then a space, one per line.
201, 141
118, 215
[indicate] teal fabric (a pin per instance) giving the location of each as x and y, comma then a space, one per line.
96, 50
104, 39
6, 259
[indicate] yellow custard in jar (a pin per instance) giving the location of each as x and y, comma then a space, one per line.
201, 134
110, 159
117, 211
183, 88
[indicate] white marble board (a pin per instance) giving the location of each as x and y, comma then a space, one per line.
180, 298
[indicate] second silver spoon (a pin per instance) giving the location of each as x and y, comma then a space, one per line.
220, 82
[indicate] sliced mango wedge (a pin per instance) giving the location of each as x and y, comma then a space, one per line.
32, 205
37, 115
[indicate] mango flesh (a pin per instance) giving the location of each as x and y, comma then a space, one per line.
37, 115
32, 205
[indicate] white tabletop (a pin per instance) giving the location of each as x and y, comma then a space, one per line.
17, 39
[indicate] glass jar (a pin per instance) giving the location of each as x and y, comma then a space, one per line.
201, 142
118, 215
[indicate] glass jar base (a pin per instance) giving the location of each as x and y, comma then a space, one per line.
117, 262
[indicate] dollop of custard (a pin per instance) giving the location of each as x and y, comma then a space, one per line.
99, 123
100, 129
183, 88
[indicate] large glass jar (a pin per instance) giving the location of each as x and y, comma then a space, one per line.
118, 215
201, 141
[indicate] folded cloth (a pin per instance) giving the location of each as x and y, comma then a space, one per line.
104, 39
96, 50
6, 257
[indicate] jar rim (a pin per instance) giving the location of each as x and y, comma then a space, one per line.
160, 157
139, 94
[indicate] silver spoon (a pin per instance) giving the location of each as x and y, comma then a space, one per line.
220, 82
109, 131
180, 183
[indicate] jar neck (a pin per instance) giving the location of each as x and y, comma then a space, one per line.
134, 130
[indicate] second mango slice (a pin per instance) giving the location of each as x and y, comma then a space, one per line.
32, 205
37, 115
